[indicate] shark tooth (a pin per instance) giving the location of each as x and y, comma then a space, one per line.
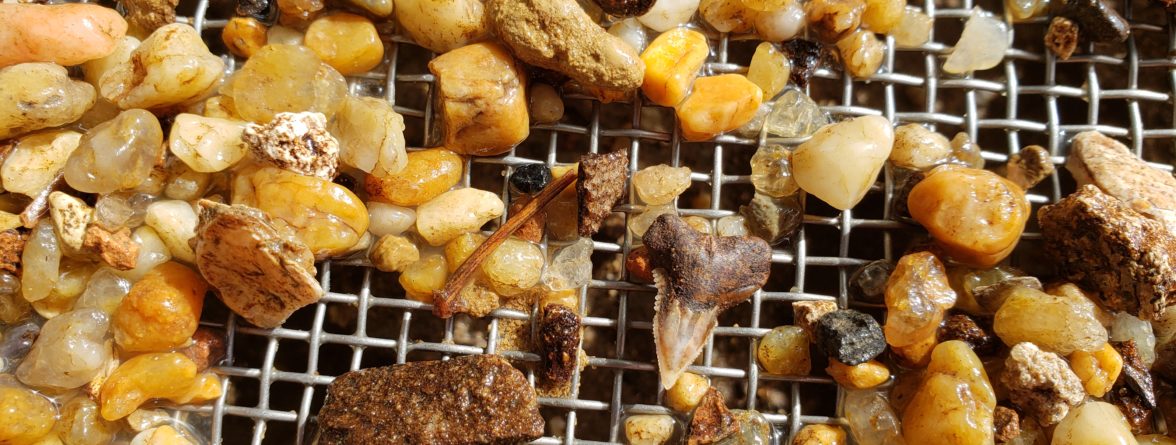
698, 276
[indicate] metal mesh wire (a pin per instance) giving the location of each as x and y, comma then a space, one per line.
275, 380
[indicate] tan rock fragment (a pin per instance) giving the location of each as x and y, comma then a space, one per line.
117, 249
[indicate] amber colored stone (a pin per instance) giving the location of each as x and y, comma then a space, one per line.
718, 104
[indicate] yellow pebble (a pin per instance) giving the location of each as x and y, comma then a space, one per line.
326, 216
1098, 370
687, 392
769, 69
718, 104
161, 311
347, 42
423, 277
785, 351
976, 215
672, 62
569, 298
25, 416
167, 375
819, 434
392, 253
427, 173
244, 36
883, 15
860, 376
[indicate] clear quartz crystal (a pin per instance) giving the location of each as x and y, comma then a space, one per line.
640, 223
1128, 327
771, 171
982, 44
71, 349
795, 114
571, 267
871, 419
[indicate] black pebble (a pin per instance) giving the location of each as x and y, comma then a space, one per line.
868, 283
850, 337
805, 56
1096, 20
264, 11
530, 178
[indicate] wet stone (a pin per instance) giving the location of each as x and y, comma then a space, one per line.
530, 178
850, 337
469, 400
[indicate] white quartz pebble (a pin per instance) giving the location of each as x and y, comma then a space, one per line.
842, 160
982, 44
667, 14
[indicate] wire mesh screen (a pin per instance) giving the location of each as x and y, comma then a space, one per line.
276, 380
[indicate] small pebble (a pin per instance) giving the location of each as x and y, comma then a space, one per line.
600, 186
667, 14
964, 328
717, 105
649, 429
966, 152
660, 184
732, 225
570, 267
806, 314
672, 62
773, 219
546, 106
1097, 370
467, 79
327, 217
780, 24
514, 267
1029, 167
442, 27
842, 160
1062, 37
769, 69
347, 42
785, 351
626, 8
982, 44
1093, 423
687, 392
161, 311
726, 16
711, 421
261, 88
392, 253
914, 29
860, 376
754, 429
69, 351
40, 95
244, 36
975, 215
917, 296
1096, 20
456, 212
425, 176
833, 20
1127, 327
172, 66
871, 418
631, 31
820, 434
388, 219
955, 400
558, 343
850, 337
35, 161
862, 53
771, 171
206, 144
1041, 383
558, 35
25, 416
64, 34
298, 142
882, 16
530, 178
868, 283
795, 115
371, 136
1025, 9
421, 278
806, 58
640, 222
916, 147
1007, 424
1061, 325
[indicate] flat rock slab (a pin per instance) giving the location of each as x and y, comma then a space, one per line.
1104, 162
479, 399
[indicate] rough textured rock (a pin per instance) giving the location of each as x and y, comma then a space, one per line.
600, 186
1030, 166
806, 314
698, 276
116, 248
1041, 383
258, 273
712, 421
1098, 21
1100, 243
964, 328
1108, 164
850, 337
559, 35
559, 343
478, 399
1062, 37
1133, 392
11, 246
298, 142
1007, 424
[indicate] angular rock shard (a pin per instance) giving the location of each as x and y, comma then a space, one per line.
697, 276
477, 399
1110, 165
1097, 241
601, 184
260, 274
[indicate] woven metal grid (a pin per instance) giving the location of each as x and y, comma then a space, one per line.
1123, 90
